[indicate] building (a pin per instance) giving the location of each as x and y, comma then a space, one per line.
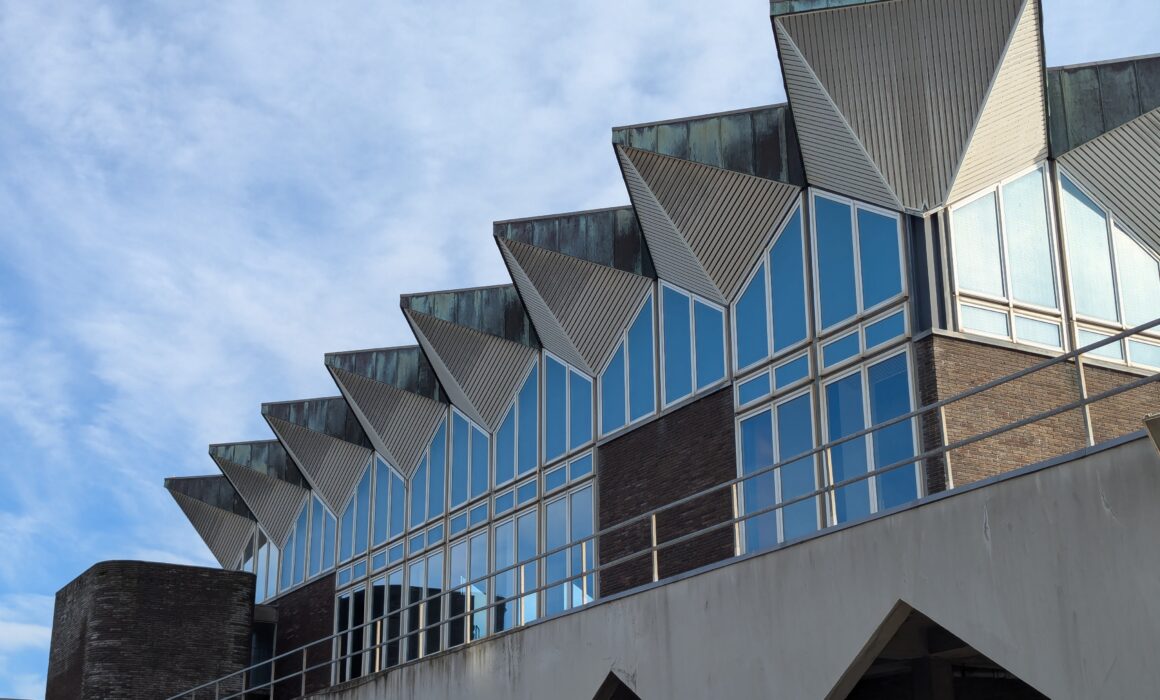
848, 403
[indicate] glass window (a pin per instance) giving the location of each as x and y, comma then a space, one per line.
880, 258
890, 397
1091, 264
978, 258
419, 494
753, 389
1029, 245
457, 580
329, 526
555, 408
677, 330
505, 448
381, 520
889, 328
842, 349
583, 587
845, 415
395, 599
480, 462
792, 371
346, 532
751, 322
362, 518
398, 505
460, 458
526, 549
977, 318
709, 323
836, 277
437, 464
556, 565
479, 570
1139, 278
1033, 330
1110, 351
758, 492
795, 436
580, 414
612, 393
317, 518
788, 286
287, 564
300, 545
1146, 354
505, 581
434, 606
641, 383
416, 580
529, 427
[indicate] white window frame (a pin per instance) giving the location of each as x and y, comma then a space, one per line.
692, 299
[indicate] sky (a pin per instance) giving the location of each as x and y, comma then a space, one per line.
198, 200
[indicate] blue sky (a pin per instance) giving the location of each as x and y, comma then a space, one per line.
197, 200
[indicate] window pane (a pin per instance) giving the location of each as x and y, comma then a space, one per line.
758, 493
885, 330
879, 257
788, 282
363, 514
835, 235
556, 531
436, 492
1089, 259
460, 438
398, 505
677, 329
435, 605
978, 263
582, 588
555, 409
416, 578
1144, 353
480, 462
286, 564
1139, 280
612, 393
1111, 351
975, 318
752, 332
1032, 330
710, 338
580, 395
526, 550
505, 582
841, 349
795, 436
505, 448
419, 494
890, 397
328, 543
382, 501
316, 527
754, 389
580, 467
1029, 241
479, 566
792, 371
844, 415
529, 423
346, 533
300, 546
641, 382
457, 572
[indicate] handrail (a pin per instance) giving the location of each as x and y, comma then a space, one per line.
656, 546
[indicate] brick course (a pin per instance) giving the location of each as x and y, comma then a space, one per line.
676, 455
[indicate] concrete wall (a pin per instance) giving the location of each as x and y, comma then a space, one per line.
140, 631
1053, 573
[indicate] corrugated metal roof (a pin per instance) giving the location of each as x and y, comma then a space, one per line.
609, 237
1088, 100
496, 310
785, 7
329, 415
580, 308
264, 456
725, 218
405, 367
399, 423
275, 503
333, 466
760, 141
479, 371
1122, 169
225, 533
211, 489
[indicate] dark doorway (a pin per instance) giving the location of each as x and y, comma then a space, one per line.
614, 689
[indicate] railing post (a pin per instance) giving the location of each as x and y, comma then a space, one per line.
217, 690
948, 473
302, 683
831, 506
1081, 381
656, 569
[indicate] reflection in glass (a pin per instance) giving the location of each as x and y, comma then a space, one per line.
460, 439
836, 279
555, 409
1090, 261
1029, 241
612, 393
556, 566
583, 588
788, 286
890, 397
419, 494
1139, 278
758, 492
529, 426
752, 329
505, 581
978, 261
709, 323
844, 415
880, 258
795, 436
479, 588
436, 497
641, 383
526, 550
676, 332
480, 462
457, 578
580, 398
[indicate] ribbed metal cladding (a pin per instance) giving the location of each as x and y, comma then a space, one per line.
275, 503
399, 423
1012, 131
672, 257
480, 372
726, 218
1121, 168
332, 466
263, 456
586, 304
910, 79
834, 158
225, 533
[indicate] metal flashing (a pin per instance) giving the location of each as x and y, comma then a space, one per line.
332, 466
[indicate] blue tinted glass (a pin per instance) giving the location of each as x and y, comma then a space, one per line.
835, 235
844, 415
556, 568
398, 505
505, 582
417, 543
395, 553
359, 570
435, 534
346, 532
978, 260
436, 492
677, 331
758, 493
382, 501
710, 338
505, 502
1032, 330
879, 256
1111, 351
641, 383
580, 467
753, 389
287, 566
379, 561
555, 478
526, 491
480, 462
792, 371
582, 554
458, 523
795, 431
1089, 258
300, 546
1029, 240
975, 318
478, 514
529, 423
505, 449
555, 409
580, 395
612, 393
316, 537
328, 543
1144, 353
362, 522
841, 349
752, 331
890, 397
460, 438
885, 330
344, 577
788, 286
1139, 277
419, 494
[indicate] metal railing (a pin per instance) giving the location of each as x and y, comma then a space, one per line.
371, 656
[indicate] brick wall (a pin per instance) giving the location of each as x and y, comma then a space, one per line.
129, 630
676, 455
304, 615
1123, 413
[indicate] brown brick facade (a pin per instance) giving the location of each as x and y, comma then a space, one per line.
305, 615
128, 630
679, 454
